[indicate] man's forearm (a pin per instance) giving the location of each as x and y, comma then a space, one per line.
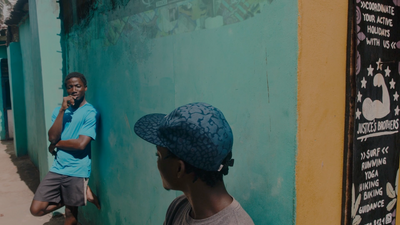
74, 144
55, 130
70, 145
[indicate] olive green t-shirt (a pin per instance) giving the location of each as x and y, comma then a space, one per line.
178, 214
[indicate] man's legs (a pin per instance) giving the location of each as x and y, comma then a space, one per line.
71, 215
39, 208
92, 198
47, 197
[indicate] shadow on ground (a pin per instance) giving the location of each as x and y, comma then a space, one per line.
25, 168
28, 173
56, 220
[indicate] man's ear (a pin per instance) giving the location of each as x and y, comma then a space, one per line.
181, 169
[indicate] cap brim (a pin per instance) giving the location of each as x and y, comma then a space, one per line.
147, 128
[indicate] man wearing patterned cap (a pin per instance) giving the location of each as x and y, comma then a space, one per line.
194, 152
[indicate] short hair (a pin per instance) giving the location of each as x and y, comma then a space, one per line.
77, 75
209, 177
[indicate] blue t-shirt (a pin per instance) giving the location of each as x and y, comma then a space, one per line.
80, 121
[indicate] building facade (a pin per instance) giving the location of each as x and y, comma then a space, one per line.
277, 69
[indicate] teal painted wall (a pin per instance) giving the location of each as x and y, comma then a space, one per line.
32, 92
3, 55
36, 100
247, 68
3, 52
17, 97
2, 115
49, 29
42, 69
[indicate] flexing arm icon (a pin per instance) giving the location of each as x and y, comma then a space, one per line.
377, 109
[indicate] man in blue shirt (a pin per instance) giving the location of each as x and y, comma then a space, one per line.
73, 128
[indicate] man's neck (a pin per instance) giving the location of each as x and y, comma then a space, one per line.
207, 201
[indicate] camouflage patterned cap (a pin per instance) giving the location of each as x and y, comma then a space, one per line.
197, 133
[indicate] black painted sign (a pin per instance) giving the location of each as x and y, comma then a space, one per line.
377, 113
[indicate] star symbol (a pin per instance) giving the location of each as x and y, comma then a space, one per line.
387, 72
359, 95
364, 83
370, 70
396, 96
392, 83
379, 64
396, 111
358, 113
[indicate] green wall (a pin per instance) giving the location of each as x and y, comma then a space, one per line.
33, 98
3, 52
17, 97
2, 116
3, 55
42, 72
45, 13
36, 101
136, 64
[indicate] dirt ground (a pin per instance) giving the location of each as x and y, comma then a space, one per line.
19, 179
